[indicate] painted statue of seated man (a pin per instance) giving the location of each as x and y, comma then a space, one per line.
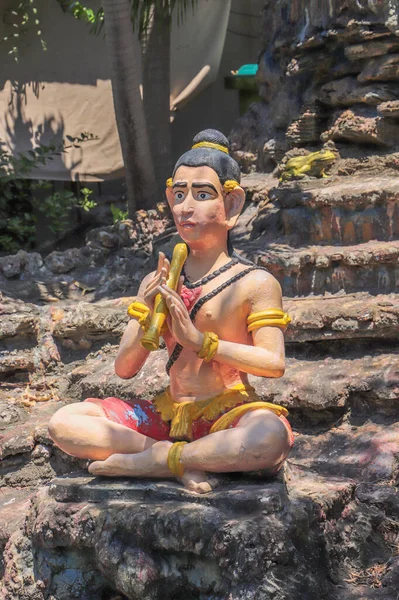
225, 321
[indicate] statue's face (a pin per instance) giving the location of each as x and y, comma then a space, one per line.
198, 204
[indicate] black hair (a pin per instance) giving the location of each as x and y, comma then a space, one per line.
218, 160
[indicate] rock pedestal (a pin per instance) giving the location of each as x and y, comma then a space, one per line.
90, 538
156, 540
328, 527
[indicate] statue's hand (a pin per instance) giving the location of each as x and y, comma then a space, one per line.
180, 325
159, 278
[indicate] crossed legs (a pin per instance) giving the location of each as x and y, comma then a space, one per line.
83, 430
259, 441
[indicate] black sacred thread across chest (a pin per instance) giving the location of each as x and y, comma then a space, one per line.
198, 305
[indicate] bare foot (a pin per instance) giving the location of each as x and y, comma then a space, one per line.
116, 465
199, 482
150, 463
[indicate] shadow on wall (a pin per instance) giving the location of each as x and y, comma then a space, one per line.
23, 134
73, 54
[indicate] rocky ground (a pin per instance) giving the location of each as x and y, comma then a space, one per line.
328, 73
328, 526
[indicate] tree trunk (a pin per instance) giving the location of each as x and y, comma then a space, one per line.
156, 91
124, 58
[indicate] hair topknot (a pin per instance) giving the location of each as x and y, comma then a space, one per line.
212, 135
217, 159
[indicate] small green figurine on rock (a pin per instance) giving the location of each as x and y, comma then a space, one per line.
311, 165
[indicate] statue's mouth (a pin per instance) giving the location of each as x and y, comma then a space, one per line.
187, 224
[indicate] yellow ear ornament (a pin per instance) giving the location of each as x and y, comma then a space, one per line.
230, 185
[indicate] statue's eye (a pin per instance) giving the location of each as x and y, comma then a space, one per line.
204, 195
179, 195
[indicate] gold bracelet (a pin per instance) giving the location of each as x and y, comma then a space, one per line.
174, 459
206, 342
209, 346
139, 311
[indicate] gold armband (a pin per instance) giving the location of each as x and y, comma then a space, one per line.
273, 317
174, 459
139, 311
209, 346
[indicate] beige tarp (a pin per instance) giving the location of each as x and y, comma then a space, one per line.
67, 90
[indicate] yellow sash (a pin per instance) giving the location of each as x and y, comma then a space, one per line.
183, 414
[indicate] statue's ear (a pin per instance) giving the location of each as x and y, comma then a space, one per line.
234, 201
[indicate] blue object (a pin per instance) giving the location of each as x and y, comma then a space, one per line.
247, 70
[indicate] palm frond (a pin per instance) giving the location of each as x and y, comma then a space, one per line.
142, 11
182, 6
98, 23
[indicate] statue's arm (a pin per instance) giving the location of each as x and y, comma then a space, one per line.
131, 355
266, 358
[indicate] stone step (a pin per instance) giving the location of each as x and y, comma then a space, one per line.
365, 451
216, 545
363, 384
17, 361
356, 193
340, 225
14, 506
372, 266
241, 536
28, 457
342, 317
314, 319
312, 384
339, 211
257, 185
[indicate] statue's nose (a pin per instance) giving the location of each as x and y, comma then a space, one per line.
188, 204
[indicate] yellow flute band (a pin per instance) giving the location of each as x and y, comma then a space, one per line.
150, 341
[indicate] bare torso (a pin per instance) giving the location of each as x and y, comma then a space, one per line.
205, 203
191, 378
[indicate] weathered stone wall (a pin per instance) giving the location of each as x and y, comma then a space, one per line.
326, 528
328, 71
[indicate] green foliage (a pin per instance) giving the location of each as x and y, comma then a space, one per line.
141, 12
19, 19
83, 13
19, 200
78, 10
84, 200
118, 214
